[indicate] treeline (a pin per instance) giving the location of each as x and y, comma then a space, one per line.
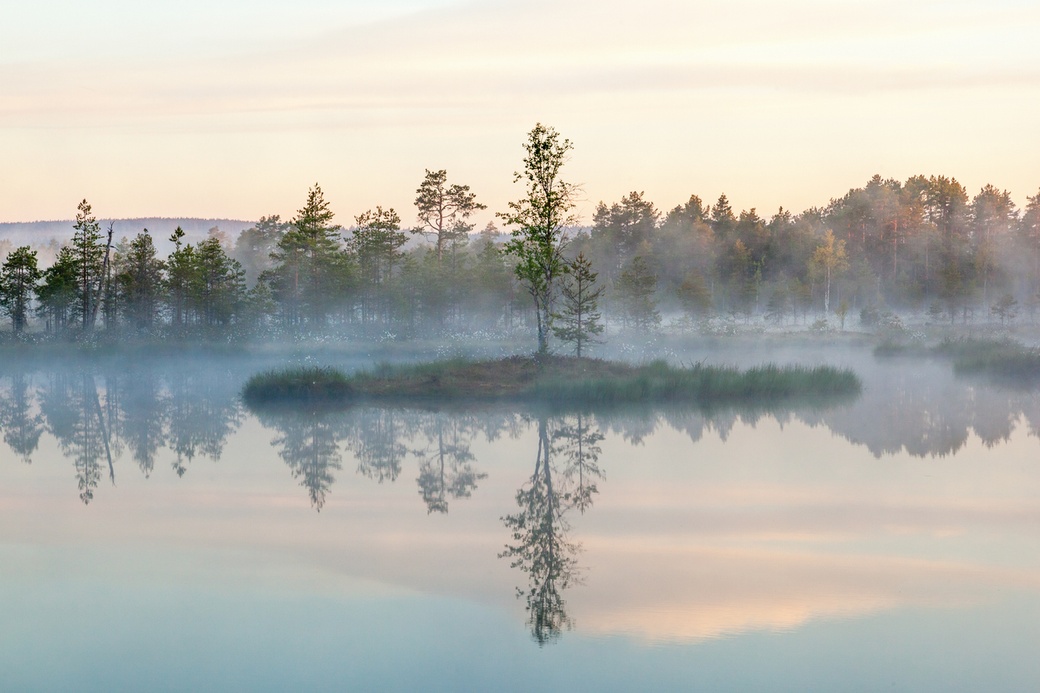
303, 277
923, 245
920, 245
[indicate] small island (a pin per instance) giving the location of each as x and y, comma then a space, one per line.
552, 380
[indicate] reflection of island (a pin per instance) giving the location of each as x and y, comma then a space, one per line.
188, 409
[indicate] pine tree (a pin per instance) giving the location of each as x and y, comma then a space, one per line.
637, 288
443, 210
179, 270
578, 321
140, 281
57, 294
19, 276
376, 242
307, 258
89, 257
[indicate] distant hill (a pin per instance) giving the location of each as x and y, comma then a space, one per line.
40, 234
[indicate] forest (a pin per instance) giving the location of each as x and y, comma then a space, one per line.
924, 247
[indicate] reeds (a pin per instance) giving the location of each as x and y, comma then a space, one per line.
297, 384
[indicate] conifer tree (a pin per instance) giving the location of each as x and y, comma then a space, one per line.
89, 258
140, 281
19, 276
578, 321
57, 294
637, 288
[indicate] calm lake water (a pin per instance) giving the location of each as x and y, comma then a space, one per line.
158, 536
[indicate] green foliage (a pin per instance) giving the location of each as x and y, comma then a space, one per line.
626, 227
579, 317
19, 276
443, 210
1003, 359
637, 290
88, 254
694, 295
568, 382
538, 220
57, 294
140, 281
299, 384
309, 265
376, 241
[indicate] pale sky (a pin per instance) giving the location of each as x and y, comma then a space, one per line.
233, 108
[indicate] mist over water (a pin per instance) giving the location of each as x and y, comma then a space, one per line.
685, 538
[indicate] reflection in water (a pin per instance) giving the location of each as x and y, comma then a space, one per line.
308, 443
540, 547
577, 440
445, 469
71, 406
98, 415
189, 410
22, 428
377, 440
203, 411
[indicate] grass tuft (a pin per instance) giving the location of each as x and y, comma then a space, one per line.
310, 384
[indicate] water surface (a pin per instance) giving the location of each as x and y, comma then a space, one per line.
157, 535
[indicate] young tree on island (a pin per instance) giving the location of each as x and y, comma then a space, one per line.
19, 276
578, 321
443, 209
539, 220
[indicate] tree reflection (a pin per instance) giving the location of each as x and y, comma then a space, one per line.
445, 469
578, 443
308, 444
144, 417
22, 428
72, 409
203, 412
540, 547
377, 442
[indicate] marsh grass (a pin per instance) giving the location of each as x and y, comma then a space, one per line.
705, 386
308, 384
562, 381
1003, 359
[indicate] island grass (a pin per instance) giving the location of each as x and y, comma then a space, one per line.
1004, 359
310, 384
565, 381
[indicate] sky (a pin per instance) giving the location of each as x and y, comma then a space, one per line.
234, 108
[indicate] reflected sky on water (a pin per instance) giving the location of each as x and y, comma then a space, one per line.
158, 535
